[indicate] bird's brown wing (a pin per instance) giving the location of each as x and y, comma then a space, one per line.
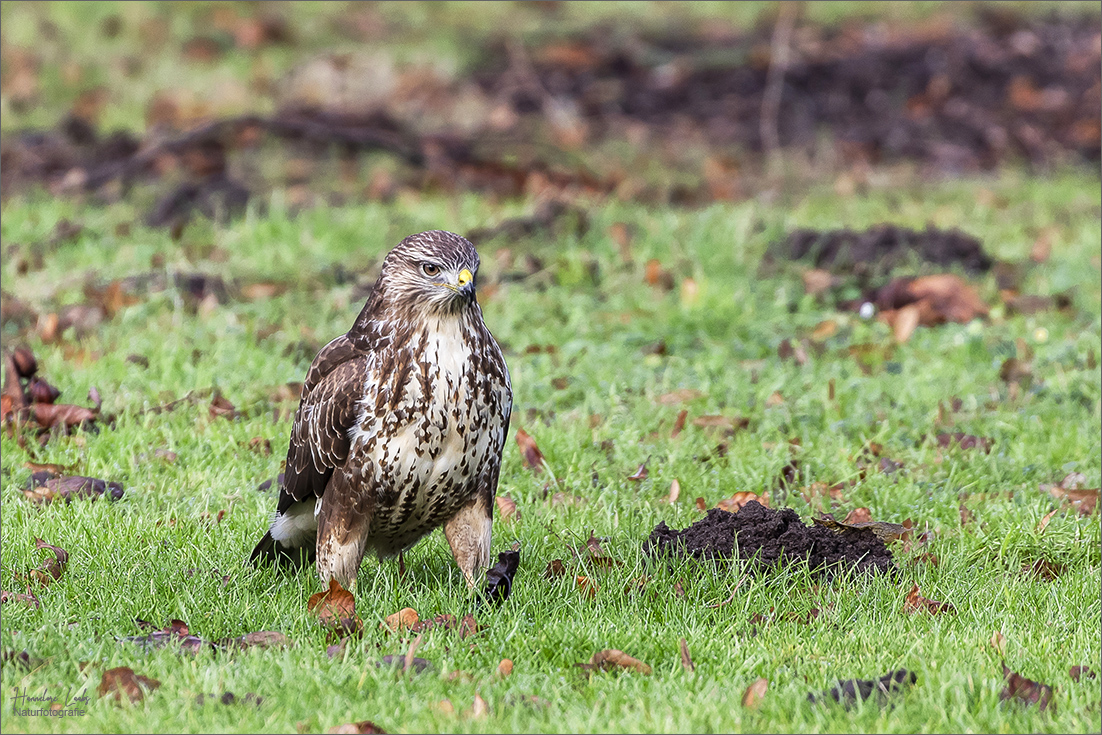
326, 414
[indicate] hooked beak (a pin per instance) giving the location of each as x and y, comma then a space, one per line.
464, 283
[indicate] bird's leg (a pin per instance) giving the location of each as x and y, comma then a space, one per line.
344, 520
468, 533
401, 565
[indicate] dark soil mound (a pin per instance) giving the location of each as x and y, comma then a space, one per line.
766, 536
881, 248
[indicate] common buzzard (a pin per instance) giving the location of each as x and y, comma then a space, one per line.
401, 423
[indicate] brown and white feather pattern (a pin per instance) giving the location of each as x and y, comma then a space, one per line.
401, 424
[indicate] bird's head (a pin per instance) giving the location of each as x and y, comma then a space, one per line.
432, 273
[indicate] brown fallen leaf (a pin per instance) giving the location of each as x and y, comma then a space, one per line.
27, 599
404, 618
819, 490
686, 659
336, 610
530, 454
1081, 672
914, 602
658, 276
679, 423
964, 441
736, 501
675, 493
681, 395
611, 659
858, 515
1026, 690
122, 680
751, 698
817, 281
1043, 523
903, 321
221, 406
507, 509
1068, 490
479, 708
468, 626
998, 642
363, 727
504, 668
586, 585
792, 350
555, 568
726, 424
966, 515
49, 415
640, 473
260, 639
50, 569
45, 488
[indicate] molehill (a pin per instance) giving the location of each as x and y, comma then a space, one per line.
764, 537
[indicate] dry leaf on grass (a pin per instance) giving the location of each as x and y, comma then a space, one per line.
675, 493
1070, 491
681, 395
751, 698
586, 585
640, 473
260, 639
686, 659
479, 708
507, 509
1081, 672
123, 681
504, 668
998, 642
736, 501
1026, 690
612, 659
45, 488
404, 618
363, 727
336, 610
964, 441
50, 569
530, 454
914, 602
27, 599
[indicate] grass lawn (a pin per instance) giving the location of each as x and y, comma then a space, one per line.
592, 406
604, 359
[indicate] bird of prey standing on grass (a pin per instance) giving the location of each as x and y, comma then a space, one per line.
401, 423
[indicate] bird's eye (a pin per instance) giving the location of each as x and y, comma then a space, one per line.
430, 270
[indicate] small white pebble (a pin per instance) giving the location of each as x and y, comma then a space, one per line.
867, 310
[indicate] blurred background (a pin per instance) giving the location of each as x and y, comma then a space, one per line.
196, 109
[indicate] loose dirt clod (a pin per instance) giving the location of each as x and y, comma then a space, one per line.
766, 536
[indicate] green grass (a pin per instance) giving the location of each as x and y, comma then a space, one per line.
128, 561
591, 405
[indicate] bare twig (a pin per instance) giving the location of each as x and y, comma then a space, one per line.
779, 49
